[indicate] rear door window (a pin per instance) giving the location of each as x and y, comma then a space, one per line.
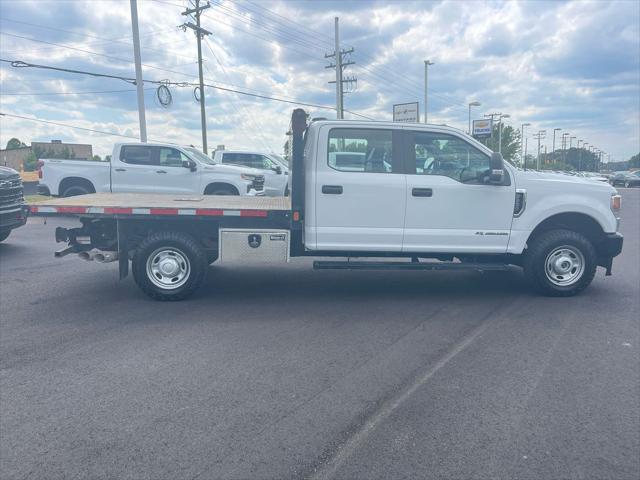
361, 150
138, 155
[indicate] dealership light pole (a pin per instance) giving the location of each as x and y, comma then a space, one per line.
426, 85
553, 146
524, 160
564, 146
472, 104
506, 115
579, 156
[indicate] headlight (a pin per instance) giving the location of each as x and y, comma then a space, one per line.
248, 176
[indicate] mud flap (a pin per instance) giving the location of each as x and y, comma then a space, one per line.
123, 249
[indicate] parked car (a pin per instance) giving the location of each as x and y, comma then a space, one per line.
276, 174
148, 168
632, 180
619, 178
13, 211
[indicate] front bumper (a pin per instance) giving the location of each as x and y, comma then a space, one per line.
610, 247
14, 218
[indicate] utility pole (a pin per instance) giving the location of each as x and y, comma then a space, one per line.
340, 64
139, 81
579, 156
426, 86
200, 33
526, 141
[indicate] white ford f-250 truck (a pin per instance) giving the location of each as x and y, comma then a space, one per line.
148, 168
397, 196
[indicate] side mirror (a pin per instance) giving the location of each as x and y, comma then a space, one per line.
496, 175
277, 169
190, 164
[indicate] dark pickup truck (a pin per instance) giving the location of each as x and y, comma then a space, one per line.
13, 211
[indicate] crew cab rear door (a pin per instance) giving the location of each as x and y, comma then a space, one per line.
451, 207
359, 191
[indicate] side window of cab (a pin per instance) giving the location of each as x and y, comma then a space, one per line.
449, 156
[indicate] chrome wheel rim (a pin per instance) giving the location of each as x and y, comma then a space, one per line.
168, 268
564, 265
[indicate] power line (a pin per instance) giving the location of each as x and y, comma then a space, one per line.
69, 93
22, 64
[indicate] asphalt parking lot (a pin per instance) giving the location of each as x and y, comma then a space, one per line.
295, 373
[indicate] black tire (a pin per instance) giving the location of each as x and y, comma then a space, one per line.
627, 184
538, 261
75, 190
222, 190
189, 253
4, 235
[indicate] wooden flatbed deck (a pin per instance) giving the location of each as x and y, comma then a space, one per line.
125, 204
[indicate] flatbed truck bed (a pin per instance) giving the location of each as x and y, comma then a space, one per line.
125, 205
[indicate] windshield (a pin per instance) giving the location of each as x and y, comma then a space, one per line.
200, 156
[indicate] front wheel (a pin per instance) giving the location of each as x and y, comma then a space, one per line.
560, 263
169, 266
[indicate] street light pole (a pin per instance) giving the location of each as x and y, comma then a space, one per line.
472, 104
524, 160
553, 148
506, 115
426, 85
579, 156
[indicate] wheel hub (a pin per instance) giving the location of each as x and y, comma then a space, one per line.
168, 268
564, 265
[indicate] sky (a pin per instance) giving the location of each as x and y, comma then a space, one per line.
573, 65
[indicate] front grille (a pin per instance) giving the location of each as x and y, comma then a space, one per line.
258, 183
11, 194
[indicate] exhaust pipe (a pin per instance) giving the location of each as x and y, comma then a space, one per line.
87, 255
105, 256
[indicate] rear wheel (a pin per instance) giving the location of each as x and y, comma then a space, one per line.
169, 266
560, 263
75, 190
4, 235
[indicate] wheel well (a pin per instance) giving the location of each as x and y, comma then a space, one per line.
73, 182
576, 222
219, 185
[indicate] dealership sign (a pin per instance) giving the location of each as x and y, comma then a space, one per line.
482, 128
406, 112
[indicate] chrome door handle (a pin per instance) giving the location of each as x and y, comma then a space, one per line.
161, 171
121, 169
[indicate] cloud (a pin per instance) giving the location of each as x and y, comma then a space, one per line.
573, 65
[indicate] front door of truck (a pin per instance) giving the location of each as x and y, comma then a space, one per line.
359, 191
451, 207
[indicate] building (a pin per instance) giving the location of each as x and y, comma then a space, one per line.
57, 149
15, 158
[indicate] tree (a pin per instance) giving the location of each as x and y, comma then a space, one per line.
14, 143
510, 141
634, 162
30, 162
96, 158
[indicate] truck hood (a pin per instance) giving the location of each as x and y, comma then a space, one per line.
6, 172
532, 177
226, 168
